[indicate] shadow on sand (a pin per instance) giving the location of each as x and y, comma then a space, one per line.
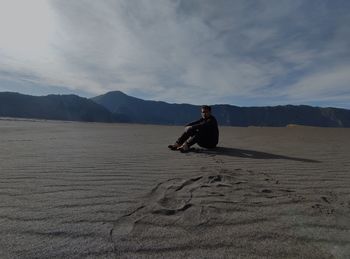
244, 153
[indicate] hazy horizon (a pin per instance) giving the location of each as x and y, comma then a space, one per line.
211, 104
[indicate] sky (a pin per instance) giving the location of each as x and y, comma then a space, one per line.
238, 52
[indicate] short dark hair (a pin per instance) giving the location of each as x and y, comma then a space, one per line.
206, 107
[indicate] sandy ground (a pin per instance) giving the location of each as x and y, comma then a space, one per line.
89, 190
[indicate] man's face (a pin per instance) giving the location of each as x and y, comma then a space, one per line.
205, 113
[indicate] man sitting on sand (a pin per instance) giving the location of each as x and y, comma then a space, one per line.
204, 132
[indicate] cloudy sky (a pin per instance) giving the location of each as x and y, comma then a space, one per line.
240, 52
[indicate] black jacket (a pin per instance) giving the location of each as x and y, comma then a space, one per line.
208, 129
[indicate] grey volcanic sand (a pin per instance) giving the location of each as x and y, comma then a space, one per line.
94, 190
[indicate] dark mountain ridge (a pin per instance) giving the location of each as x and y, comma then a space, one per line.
155, 112
118, 107
142, 111
53, 107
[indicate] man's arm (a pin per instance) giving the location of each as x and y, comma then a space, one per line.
194, 122
210, 122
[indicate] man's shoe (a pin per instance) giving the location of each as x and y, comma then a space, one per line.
174, 147
184, 148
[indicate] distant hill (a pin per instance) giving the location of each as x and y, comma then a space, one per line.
142, 111
281, 116
119, 107
53, 107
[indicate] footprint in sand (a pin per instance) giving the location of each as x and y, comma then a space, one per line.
183, 205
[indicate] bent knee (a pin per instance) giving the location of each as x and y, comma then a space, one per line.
189, 129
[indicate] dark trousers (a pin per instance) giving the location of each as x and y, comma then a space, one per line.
195, 136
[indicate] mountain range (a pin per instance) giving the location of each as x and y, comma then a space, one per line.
53, 107
118, 107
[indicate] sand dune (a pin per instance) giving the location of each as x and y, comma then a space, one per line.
89, 190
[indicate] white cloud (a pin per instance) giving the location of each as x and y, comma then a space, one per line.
177, 50
329, 84
25, 28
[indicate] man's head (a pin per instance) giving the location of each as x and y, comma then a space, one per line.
206, 111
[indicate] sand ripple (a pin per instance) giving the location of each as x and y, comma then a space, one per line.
231, 213
89, 190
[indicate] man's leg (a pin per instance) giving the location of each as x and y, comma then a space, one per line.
193, 139
186, 136
188, 133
